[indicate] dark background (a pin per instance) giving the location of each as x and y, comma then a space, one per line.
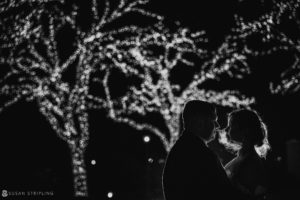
34, 158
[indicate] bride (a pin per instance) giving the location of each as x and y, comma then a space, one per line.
246, 135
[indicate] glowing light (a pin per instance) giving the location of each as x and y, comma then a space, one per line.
150, 160
93, 162
146, 139
279, 158
110, 195
161, 161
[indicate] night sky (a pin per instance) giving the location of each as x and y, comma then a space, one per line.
34, 158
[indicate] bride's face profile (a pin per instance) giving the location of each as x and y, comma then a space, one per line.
245, 130
234, 131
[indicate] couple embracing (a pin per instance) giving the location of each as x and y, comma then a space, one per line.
193, 171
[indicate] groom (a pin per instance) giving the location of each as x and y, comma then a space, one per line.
192, 170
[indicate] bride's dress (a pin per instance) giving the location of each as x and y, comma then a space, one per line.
248, 174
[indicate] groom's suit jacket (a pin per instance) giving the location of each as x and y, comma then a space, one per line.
193, 171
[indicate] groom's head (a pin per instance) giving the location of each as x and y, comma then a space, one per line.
200, 119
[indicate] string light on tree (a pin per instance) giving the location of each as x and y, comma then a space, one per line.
272, 30
36, 60
151, 57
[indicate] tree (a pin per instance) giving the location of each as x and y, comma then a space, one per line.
275, 30
38, 60
151, 59
51, 56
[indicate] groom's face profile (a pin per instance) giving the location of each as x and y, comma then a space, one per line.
200, 118
206, 126
210, 127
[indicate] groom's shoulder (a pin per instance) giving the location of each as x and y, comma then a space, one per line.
188, 142
196, 146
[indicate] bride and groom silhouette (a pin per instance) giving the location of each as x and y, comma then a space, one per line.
193, 171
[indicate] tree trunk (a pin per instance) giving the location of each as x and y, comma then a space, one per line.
79, 171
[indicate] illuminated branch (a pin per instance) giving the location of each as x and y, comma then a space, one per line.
32, 52
38, 62
151, 56
271, 31
144, 127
